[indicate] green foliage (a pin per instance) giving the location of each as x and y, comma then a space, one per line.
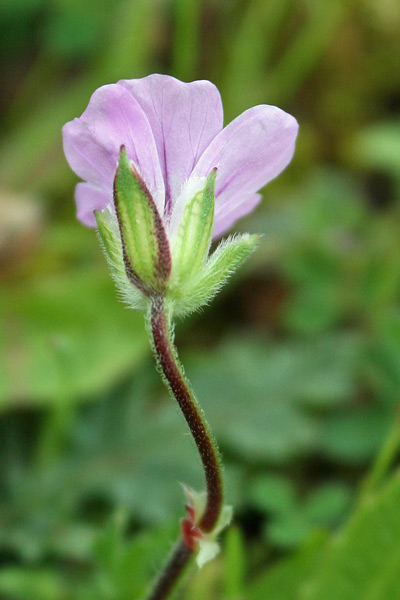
43, 508
291, 518
120, 568
264, 412
362, 562
124, 567
234, 563
53, 349
284, 580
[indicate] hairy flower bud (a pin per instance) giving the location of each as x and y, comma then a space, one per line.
145, 245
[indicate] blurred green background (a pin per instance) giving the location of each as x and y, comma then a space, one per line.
296, 363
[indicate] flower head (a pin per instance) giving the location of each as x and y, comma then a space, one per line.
173, 136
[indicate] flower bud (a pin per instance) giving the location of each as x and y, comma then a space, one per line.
145, 245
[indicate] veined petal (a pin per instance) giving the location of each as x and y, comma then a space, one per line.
87, 156
184, 118
89, 199
92, 142
232, 210
248, 153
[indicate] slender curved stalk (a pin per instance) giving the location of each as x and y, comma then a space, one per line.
172, 572
161, 335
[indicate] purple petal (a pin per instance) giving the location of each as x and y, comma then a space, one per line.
225, 218
92, 142
248, 153
184, 117
87, 200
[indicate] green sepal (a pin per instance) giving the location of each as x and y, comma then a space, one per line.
198, 291
110, 240
145, 245
193, 239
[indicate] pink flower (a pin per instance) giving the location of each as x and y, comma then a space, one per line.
174, 136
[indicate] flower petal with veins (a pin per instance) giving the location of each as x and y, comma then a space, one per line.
184, 117
174, 136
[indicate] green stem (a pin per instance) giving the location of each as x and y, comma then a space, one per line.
161, 333
172, 572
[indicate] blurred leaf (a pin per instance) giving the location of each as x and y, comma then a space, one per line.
125, 567
327, 370
19, 583
38, 162
315, 308
304, 52
363, 561
327, 504
120, 568
74, 29
65, 333
377, 147
186, 39
320, 245
294, 519
354, 436
255, 41
234, 553
204, 583
255, 413
10, 8
260, 412
120, 454
283, 580
289, 530
132, 441
273, 493
382, 358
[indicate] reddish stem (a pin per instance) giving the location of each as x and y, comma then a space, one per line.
171, 572
167, 358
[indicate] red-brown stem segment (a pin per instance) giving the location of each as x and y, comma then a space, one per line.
173, 373
175, 378
172, 572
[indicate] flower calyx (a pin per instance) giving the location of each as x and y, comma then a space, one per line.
193, 537
150, 257
196, 275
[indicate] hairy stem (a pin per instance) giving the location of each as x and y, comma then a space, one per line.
172, 572
167, 359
